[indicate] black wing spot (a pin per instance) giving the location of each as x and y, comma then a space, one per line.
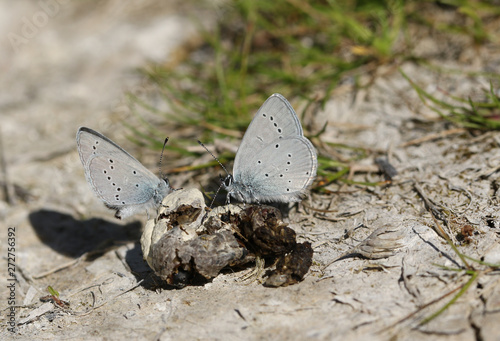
288, 163
266, 174
123, 202
118, 189
277, 145
259, 162
105, 171
288, 189
271, 118
264, 115
109, 178
286, 169
281, 175
113, 184
289, 181
289, 155
279, 130
94, 147
111, 161
112, 167
307, 173
276, 124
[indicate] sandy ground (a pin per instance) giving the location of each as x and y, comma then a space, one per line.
71, 66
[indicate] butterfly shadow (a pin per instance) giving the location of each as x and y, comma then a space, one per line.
94, 237
71, 237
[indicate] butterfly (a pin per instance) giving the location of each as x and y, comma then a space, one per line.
275, 162
116, 177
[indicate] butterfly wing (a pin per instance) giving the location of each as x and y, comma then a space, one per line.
91, 142
115, 176
274, 162
281, 172
275, 119
119, 184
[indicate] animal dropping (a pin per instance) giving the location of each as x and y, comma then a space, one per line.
189, 243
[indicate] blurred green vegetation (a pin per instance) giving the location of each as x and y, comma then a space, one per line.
302, 49
464, 112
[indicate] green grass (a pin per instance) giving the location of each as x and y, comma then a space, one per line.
472, 271
261, 47
479, 269
464, 112
472, 19
302, 49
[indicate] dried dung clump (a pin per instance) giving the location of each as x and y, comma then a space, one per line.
188, 240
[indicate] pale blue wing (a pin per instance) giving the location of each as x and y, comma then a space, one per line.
115, 176
275, 120
282, 171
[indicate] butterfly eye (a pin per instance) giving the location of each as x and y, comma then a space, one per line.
228, 180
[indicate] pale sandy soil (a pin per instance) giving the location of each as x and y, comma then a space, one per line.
73, 71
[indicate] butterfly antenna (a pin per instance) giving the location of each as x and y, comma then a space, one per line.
215, 196
216, 159
161, 157
225, 170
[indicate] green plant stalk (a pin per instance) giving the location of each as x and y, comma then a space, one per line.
469, 118
53, 291
332, 177
454, 248
423, 95
453, 300
491, 265
363, 183
452, 71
